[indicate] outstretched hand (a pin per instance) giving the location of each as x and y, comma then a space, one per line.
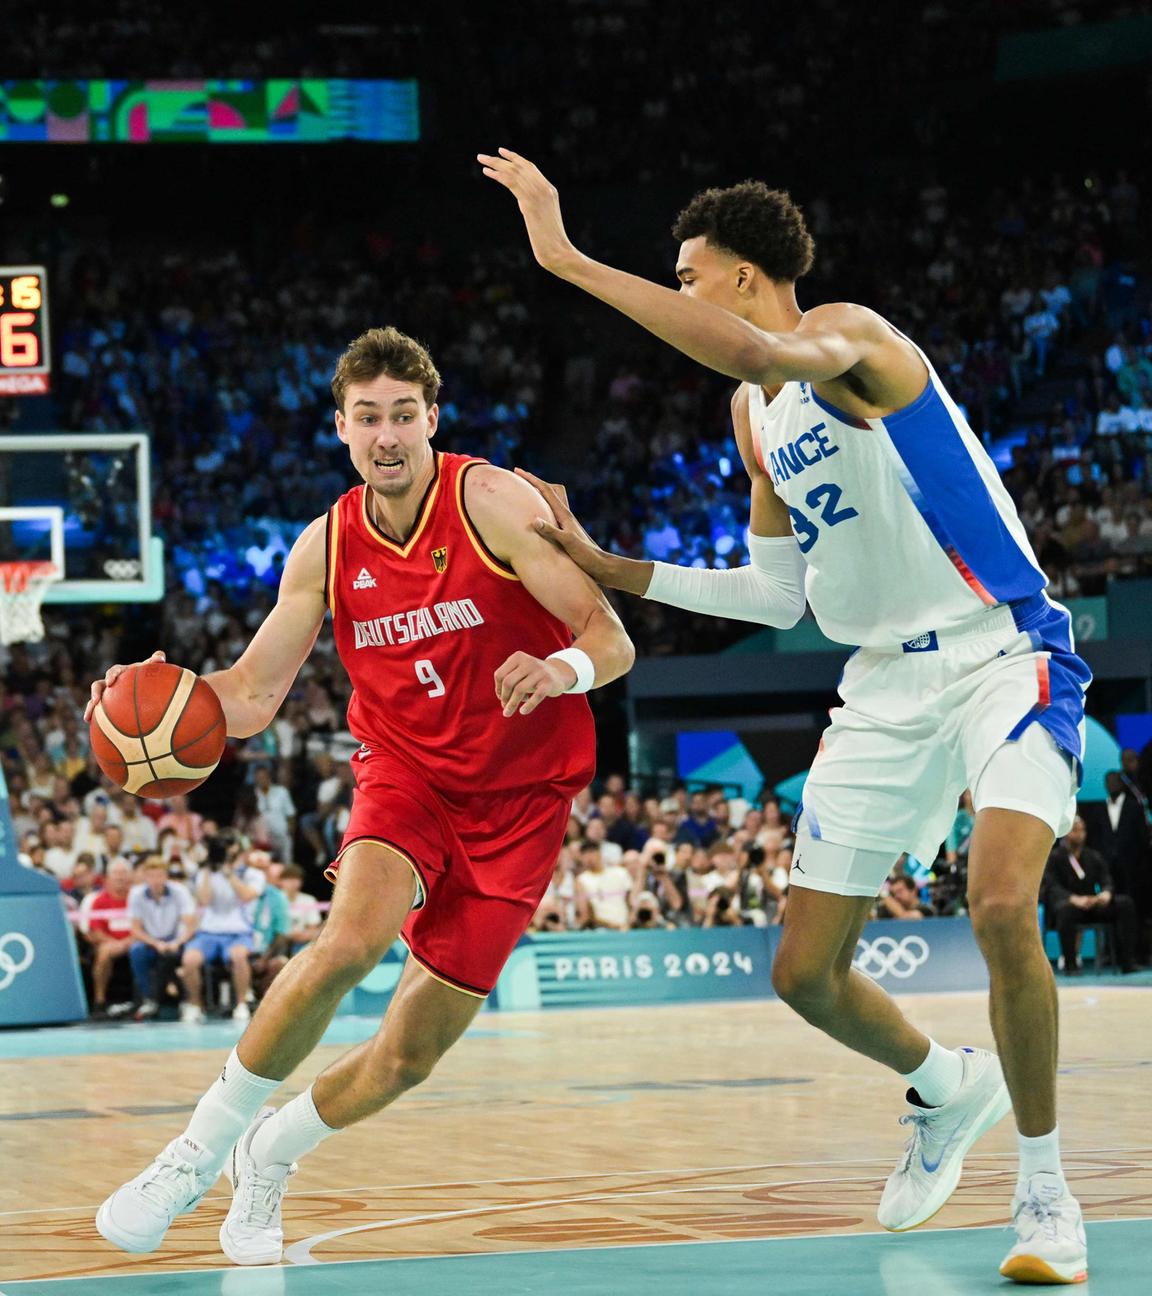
539, 205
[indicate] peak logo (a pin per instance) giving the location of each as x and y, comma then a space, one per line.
365, 580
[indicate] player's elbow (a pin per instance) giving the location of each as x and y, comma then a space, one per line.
623, 656
627, 655
791, 616
759, 360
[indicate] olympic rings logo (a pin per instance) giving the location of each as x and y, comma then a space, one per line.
886, 956
9, 966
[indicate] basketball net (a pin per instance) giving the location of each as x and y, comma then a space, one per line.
22, 589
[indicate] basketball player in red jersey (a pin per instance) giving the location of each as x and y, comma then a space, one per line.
455, 622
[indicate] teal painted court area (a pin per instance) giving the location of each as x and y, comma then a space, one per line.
174, 1037
943, 1262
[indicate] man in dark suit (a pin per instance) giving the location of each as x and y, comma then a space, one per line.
1118, 828
1078, 892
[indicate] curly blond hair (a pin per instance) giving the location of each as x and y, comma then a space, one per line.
385, 351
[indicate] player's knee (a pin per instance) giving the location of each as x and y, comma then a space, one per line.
238, 954
807, 987
1001, 919
192, 959
347, 961
406, 1068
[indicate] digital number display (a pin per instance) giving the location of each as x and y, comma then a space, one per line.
25, 359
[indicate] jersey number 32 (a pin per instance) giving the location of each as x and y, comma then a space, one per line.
826, 498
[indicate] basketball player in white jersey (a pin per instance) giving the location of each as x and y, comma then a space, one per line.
873, 501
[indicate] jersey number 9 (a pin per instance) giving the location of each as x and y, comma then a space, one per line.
426, 674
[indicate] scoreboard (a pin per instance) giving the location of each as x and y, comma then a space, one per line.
25, 357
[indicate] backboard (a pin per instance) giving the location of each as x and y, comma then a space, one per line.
101, 484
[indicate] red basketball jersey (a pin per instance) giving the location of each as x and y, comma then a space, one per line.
421, 628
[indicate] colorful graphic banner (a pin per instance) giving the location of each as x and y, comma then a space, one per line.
302, 111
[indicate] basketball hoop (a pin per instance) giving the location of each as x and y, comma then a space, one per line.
22, 589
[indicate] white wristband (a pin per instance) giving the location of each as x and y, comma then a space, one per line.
581, 663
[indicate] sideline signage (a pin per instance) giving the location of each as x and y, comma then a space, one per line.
693, 965
39, 972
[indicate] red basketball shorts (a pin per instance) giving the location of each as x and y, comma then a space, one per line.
484, 861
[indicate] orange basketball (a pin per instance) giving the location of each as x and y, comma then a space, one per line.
158, 730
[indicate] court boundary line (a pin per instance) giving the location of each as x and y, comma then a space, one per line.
304, 1247
611, 1246
601, 1174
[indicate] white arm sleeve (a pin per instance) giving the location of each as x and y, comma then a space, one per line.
770, 591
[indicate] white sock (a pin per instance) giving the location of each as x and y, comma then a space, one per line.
1037, 1154
294, 1131
938, 1077
226, 1110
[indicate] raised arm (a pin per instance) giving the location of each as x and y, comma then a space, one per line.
251, 691
504, 510
830, 341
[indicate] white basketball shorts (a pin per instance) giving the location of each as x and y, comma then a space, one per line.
998, 709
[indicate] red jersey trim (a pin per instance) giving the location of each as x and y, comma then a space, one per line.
332, 871
423, 513
331, 550
443, 977
487, 557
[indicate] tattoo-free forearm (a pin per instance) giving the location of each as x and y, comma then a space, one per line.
631, 575
606, 642
709, 334
248, 709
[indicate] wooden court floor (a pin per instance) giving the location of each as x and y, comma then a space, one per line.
604, 1151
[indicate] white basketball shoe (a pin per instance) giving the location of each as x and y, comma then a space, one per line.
252, 1233
137, 1215
941, 1136
1051, 1246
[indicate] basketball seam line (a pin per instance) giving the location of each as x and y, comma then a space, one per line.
199, 737
187, 703
176, 725
140, 727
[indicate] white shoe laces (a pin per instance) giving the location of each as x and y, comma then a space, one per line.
172, 1183
1047, 1214
921, 1125
262, 1198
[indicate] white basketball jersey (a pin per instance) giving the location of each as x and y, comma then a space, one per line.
903, 521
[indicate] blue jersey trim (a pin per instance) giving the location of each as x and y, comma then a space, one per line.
853, 420
813, 824
945, 485
1049, 627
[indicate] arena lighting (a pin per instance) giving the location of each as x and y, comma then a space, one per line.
59, 200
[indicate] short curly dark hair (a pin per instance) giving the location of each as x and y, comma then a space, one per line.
750, 220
